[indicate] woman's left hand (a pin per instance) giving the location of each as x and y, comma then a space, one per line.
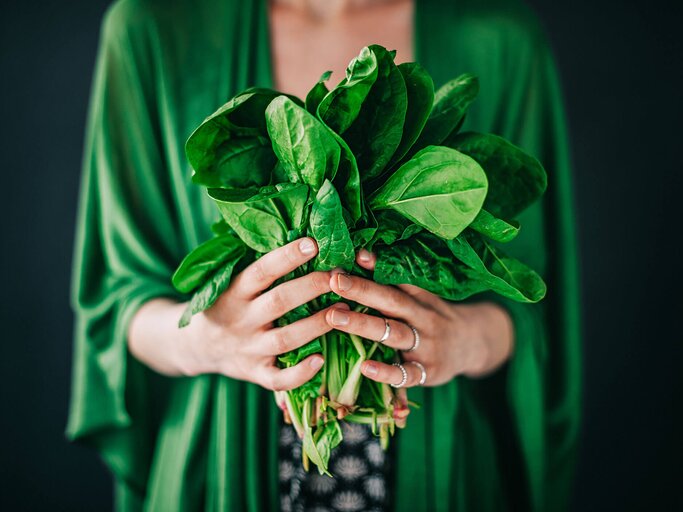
454, 339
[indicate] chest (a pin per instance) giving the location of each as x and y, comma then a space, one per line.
303, 47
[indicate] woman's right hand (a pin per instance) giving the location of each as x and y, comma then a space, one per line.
236, 337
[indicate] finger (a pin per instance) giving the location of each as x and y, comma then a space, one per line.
287, 296
389, 300
371, 327
271, 266
390, 374
281, 340
285, 379
425, 297
366, 259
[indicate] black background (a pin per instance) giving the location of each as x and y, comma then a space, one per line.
621, 65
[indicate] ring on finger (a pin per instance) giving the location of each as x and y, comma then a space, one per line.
423, 372
405, 376
387, 332
416, 340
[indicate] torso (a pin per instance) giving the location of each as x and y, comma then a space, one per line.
303, 47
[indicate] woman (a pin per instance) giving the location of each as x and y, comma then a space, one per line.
184, 418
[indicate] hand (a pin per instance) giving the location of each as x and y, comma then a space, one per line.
236, 336
471, 339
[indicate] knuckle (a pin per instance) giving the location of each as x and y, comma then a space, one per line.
274, 301
320, 282
292, 253
280, 343
258, 272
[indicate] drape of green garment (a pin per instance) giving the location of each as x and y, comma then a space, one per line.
506, 442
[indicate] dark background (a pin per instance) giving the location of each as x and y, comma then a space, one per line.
621, 65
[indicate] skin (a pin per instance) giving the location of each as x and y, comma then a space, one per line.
237, 338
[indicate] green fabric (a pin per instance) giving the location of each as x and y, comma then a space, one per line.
209, 443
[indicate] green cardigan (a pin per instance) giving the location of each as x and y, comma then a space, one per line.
209, 443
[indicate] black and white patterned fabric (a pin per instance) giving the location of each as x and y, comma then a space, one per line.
359, 465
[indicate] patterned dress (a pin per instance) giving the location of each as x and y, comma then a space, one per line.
361, 470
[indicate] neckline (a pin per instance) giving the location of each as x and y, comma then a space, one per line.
264, 20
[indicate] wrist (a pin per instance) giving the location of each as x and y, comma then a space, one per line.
490, 334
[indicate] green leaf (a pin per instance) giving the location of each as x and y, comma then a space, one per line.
440, 189
420, 94
393, 227
376, 132
212, 288
516, 179
304, 146
425, 261
493, 227
317, 93
327, 226
230, 147
264, 220
501, 273
199, 264
451, 102
340, 107
347, 180
243, 162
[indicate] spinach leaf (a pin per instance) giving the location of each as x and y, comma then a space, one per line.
440, 189
205, 259
376, 132
393, 227
317, 93
232, 140
501, 273
420, 96
208, 293
493, 227
451, 102
425, 261
304, 146
327, 226
516, 179
266, 219
340, 107
347, 180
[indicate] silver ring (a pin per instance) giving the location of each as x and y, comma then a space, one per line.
405, 376
416, 340
423, 376
387, 332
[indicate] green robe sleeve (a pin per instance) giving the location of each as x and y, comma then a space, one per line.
125, 251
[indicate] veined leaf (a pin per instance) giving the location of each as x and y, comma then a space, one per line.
516, 179
317, 93
198, 265
340, 107
267, 219
327, 226
451, 102
440, 189
304, 146
493, 227
420, 94
376, 132
208, 293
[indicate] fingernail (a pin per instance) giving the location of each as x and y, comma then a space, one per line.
339, 317
364, 256
370, 369
306, 246
344, 282
316, 363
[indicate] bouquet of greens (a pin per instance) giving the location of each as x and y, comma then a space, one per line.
378, 162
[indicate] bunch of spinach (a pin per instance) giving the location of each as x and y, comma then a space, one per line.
377, 162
